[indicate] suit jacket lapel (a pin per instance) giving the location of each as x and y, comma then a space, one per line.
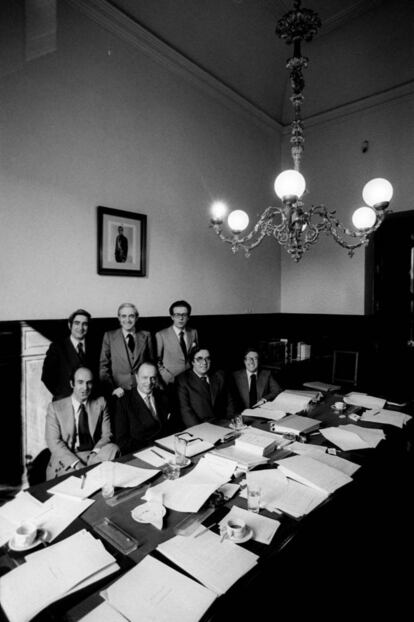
67, 419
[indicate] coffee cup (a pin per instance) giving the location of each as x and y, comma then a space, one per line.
236, 528
25, 535
339, 406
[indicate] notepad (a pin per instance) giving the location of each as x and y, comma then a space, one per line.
296, 424
256, 441
314, 473
265, 411
154, 591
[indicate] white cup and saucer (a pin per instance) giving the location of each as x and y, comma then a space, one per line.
339, 407
26, 537
237, 531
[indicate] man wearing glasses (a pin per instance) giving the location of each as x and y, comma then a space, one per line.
175, 343
202, 395
253, 386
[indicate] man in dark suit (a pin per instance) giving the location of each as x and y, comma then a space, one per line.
143, 413
175, 343
203, 396
123, 351
63, 357
78, 429
253, 386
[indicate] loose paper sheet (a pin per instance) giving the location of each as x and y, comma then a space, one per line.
313, 473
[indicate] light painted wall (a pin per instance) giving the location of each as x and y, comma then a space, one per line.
327, 280
99, 122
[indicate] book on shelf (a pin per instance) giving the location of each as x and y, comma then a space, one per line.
295, 424
256, 441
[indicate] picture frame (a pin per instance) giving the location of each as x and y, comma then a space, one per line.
122, 242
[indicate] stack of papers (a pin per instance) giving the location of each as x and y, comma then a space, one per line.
322, 386
293, 401
189, 492
256, 441
296, 424
349, 437
240, 458
209, 432
390, 417
154, 591
313, 473
195, 445
267, 410
364, 400
217, 565
52, 573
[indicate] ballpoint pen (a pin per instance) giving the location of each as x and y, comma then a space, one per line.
205, 529
157, 454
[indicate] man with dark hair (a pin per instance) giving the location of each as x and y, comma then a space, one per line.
175, 343
63, 357
121, 246
78, 429
253, 386
123, 351
202, 395
143, 413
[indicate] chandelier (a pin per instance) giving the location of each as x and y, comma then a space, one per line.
290, 224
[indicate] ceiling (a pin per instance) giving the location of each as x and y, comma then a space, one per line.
235, 41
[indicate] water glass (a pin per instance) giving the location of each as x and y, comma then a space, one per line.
180, 450
107, 474
237, 422
171, 470
253, 498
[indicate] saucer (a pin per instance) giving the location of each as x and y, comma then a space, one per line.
233, 427
147, 512
186, 463
247, 536
38, 540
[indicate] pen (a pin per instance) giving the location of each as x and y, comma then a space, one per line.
205, 529
83, 479
157, 454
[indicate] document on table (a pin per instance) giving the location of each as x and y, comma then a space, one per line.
390, 417
313, 473
346, 466
155, 456
189, 492
362, 399
264, 528
103, 613
371, 436
265, 411
126, 475
154, 591
51, 573
59, 513
215, 564
194, 445
72, 487
23, 507
272, 483
245, 460
345, 440
297, 499
210, 432
306, 449
293, 402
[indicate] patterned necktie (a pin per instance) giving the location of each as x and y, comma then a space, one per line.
149, 405
81, 352
131, 342
183, 344
252, 391
85, 441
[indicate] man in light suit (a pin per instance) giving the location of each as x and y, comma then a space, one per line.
253, 386
123, 351
203, 396
143, 413
174, 344
63, 357
78, 429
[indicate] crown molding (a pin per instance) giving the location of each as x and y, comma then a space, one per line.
112, 19
378, 99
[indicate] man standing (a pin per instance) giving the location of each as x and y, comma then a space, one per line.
63, 357
78, 429
143, 413
123, 351
253, 386
174, 344
121, 246
202, 395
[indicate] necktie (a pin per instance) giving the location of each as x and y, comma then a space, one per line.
152, 410
81, 352
252, 391
84, 437
183, 344
131, 342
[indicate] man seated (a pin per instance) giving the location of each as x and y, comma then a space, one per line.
253, 386
203, 395
142, 413
174, 344
63, 357
78, 429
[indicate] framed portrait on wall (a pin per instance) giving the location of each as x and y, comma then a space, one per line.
122, 242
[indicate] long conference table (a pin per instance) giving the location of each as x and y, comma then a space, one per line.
343, 558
